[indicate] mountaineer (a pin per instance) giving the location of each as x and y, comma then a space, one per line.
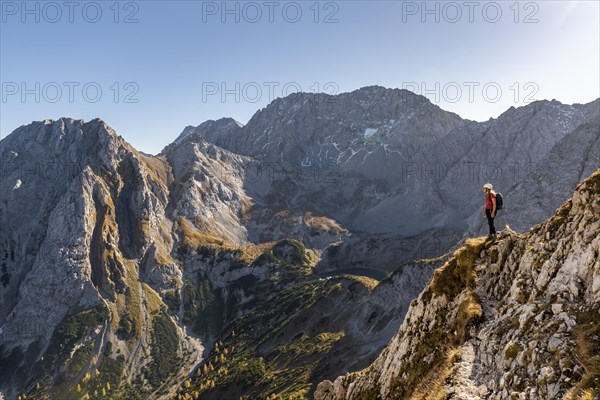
490, 208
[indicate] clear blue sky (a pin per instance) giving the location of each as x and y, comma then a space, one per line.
179, 53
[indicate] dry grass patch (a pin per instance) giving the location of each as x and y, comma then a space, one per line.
195, 239
432, 386
153, 301
367, 282
587, 336
458, 273
250, 251
158, 168
322, 223
246, 206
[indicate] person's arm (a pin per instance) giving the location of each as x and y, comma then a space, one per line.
484, 206
493, 206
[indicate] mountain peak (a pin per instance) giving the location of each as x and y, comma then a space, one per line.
210, 130
63, 132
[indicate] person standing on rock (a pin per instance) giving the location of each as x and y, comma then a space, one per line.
490, 208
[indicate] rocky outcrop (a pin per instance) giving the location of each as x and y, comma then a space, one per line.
515, 319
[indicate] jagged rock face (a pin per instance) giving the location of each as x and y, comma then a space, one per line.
54, 218
320, 128
391, 162
514, 319
225, 127
92, 227
208, 189
558, 174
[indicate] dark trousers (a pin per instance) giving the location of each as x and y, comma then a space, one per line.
488, 214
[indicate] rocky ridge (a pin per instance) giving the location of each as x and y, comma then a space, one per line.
502, 320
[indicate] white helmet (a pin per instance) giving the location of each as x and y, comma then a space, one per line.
488, 186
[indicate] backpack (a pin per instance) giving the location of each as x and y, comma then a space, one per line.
499, 201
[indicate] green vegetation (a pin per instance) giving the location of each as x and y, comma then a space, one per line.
79, 375
322, 224
255, 356
290, 257
126, 329
251, 371
189, 302
129, 305
79, 360
365, 281
153, 300
286, 252
290, 263
206, 310
203, 308
512, 351
431, 387
306, 346
260, 357
267, 257
72, 329
173, 300
165, 345
103, 382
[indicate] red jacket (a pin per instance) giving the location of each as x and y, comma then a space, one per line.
488, 201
